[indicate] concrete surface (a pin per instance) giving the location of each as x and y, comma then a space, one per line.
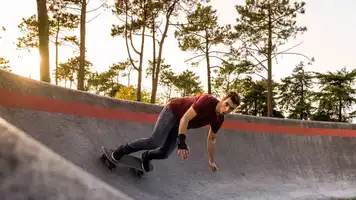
30, 170
258, 158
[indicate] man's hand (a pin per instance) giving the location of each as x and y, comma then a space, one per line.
183, 149
183, 153
213, 166
211, 148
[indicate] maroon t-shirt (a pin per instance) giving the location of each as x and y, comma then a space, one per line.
204, 105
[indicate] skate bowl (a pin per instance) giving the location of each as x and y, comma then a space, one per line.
54, 135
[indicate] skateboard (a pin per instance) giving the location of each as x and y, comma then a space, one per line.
130, 161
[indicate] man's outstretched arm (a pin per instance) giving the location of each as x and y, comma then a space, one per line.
183, 150
211, 140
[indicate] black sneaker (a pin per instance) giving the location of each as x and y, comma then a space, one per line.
146, 165
117, 154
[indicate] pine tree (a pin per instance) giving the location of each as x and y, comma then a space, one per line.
254, 99
200, 34
60, 20
296, 93
337, 95
263, 26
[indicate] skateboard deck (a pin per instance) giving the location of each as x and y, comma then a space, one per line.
130, 161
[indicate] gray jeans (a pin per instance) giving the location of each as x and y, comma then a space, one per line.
162, 142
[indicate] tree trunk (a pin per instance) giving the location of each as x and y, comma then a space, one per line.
43, 40
139, 80
302, 100
82, 46
340, 110
154, 66
255, 108
208, 72
160, 50
269, 82
56, 72
207, 60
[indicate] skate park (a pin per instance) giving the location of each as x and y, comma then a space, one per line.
51, 138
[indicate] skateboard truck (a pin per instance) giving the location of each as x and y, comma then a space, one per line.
132, 162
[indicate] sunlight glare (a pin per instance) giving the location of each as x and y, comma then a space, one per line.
29, 65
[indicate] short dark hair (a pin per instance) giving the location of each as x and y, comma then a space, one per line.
235, 98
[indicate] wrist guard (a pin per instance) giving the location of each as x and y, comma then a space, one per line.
181, 141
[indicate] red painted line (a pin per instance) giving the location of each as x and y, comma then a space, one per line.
288, 129
14, 99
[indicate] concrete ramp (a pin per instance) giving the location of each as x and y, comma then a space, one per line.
258, 158
29, 170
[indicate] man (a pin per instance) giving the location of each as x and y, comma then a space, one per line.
171, 127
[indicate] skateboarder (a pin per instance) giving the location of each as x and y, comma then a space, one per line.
171, 127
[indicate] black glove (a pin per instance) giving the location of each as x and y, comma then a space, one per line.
181, 142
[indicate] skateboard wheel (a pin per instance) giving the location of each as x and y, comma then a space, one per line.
112, 166
139, 173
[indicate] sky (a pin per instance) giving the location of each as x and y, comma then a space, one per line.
329, 39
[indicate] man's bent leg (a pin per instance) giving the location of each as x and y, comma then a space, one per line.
166, 149
162, 152
165, 123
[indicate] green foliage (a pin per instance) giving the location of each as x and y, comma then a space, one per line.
150, 68
200, 33
229, 76
262, 26
4, 64
129, 93
187, 83
201, 30
69, 70
167, 78
258, 19
295, 93
141, 18
62, 17
166, 9
60, 20
108, 81
136, 16
124, 68
337, 95
254, 100
29, 27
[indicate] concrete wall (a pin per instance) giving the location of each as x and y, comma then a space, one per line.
9, 81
